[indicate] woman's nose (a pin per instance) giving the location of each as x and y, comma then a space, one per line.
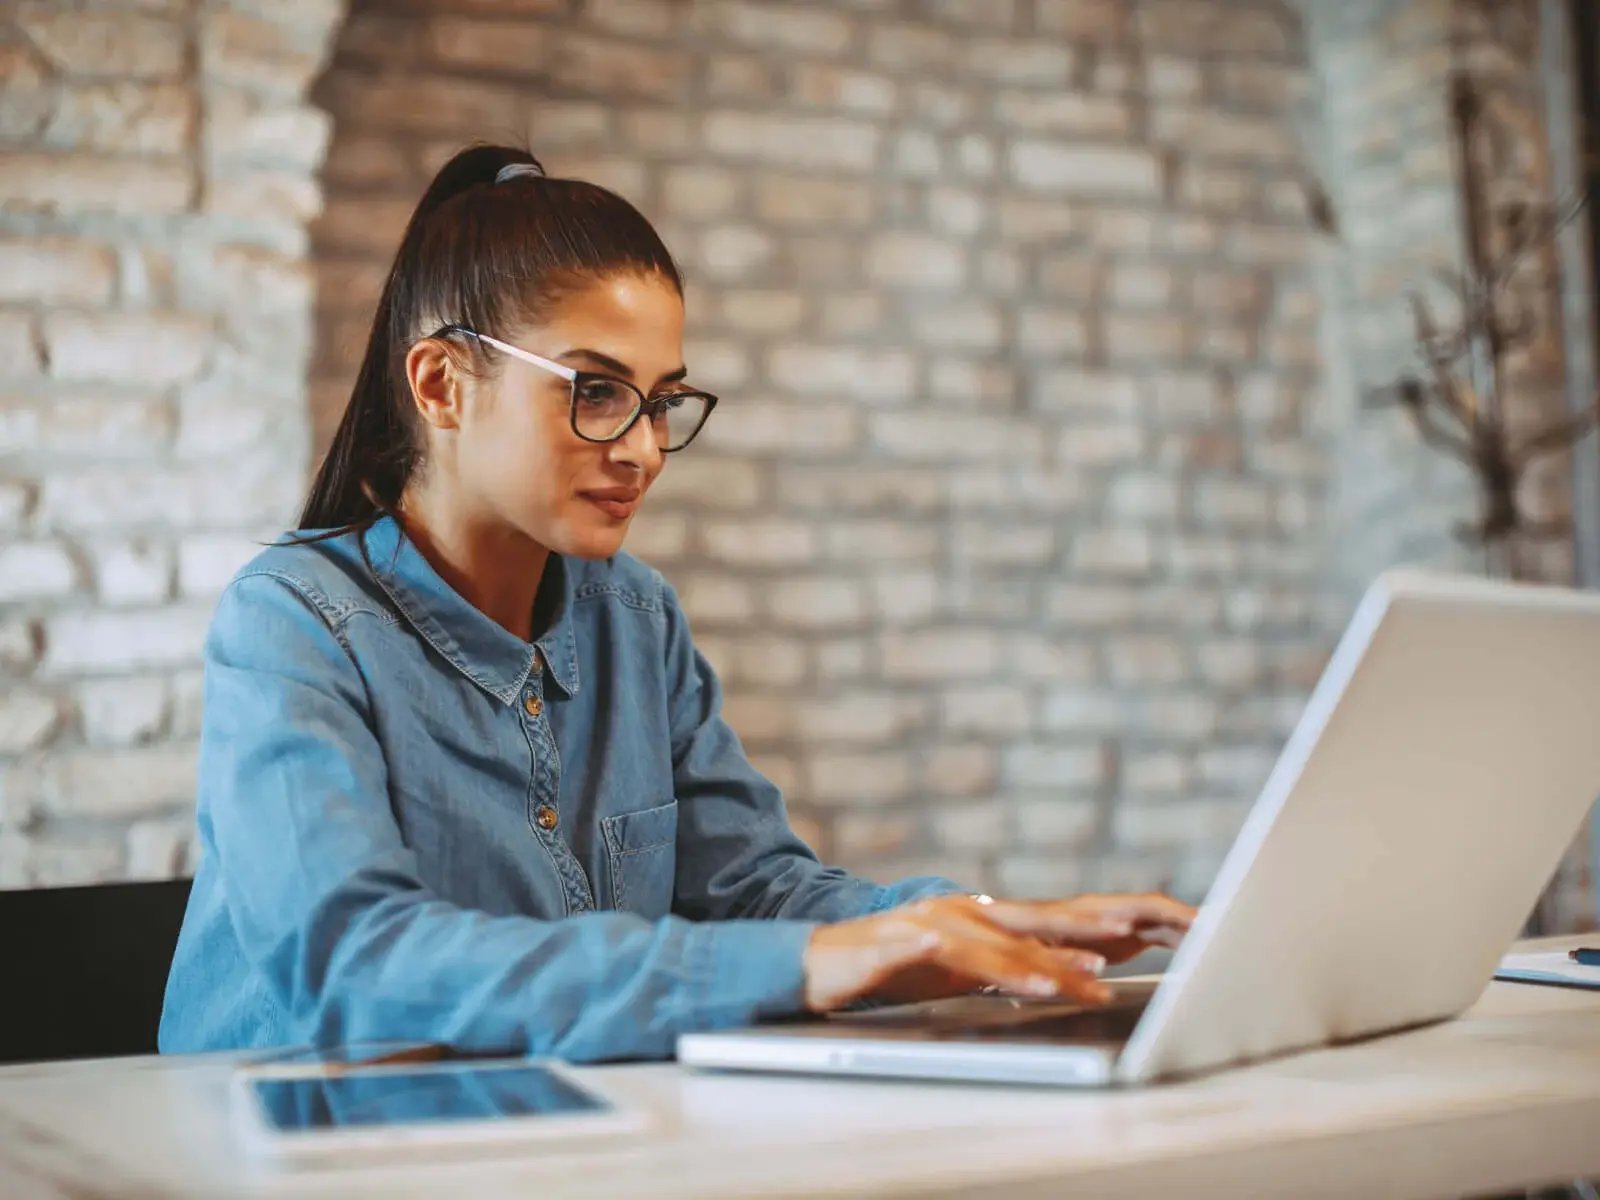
638, 447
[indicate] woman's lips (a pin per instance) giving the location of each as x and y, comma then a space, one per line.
616, 503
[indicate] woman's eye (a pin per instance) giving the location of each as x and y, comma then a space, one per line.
603, 393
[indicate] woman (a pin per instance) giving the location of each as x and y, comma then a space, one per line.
463, 776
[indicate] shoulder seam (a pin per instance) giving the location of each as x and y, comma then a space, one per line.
309, 594
336, 611
315, 599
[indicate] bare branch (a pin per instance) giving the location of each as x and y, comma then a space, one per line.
1445, 383
1531, 233
1453, 281
1451, 344
1383, 395
1415, 401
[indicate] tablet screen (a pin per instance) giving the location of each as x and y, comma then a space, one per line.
466, 1093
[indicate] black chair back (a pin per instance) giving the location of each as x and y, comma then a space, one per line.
86, 968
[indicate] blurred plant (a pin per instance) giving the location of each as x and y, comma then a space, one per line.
1459, 402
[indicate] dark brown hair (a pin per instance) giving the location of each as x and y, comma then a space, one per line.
487, 248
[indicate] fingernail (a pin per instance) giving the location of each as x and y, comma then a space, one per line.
1041, 985
1093, 963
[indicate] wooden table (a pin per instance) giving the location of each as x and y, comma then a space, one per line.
1509, 1095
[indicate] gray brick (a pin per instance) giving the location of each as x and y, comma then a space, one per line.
996, 709
121, 782
1084, 170
857, 717
36, 571
792, 141
123, 711
960, 769
866, 837
1064, 823
847, 780
28, 720
935, 654
1064, 768
817, 602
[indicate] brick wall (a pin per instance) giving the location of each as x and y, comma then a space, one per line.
1037, 493
157, 167
1383, 78
999, 537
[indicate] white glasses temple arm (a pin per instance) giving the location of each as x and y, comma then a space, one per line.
528, 356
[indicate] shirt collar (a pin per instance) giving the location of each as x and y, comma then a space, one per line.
485, 652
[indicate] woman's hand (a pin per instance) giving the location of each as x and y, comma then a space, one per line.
949, 945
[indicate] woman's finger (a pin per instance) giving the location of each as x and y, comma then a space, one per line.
1029, 949
1027, 971
1121, 949
1162, 935
1148, 909
975, 924
1021, 964
1089, 920
932, 974
1053, 920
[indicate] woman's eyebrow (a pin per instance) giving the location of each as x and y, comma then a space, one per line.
617, 367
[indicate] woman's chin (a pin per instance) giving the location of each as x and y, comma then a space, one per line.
594, 543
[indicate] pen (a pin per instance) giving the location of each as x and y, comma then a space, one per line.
1585, 956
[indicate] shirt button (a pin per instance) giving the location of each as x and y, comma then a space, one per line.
533, 706
546, 817
537, 665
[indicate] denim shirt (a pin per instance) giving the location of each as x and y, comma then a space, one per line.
414, 824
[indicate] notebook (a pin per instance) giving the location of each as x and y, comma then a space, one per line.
1547, 966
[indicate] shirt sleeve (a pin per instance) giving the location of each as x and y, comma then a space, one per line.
737, 855
328, 905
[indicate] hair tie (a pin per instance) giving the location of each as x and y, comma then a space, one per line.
517, 170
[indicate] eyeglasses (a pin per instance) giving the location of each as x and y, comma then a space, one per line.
604, 408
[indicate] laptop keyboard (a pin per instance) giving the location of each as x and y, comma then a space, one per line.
1006, 1021
1110, 1024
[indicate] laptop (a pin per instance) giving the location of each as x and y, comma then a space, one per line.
1437, 775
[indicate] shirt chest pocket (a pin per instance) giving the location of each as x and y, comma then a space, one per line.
641, 852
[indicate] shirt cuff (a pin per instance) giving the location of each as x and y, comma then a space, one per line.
750, 969
919, 887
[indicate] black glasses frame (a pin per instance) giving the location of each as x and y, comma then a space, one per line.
576, 379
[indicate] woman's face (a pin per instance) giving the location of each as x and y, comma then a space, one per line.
517, 450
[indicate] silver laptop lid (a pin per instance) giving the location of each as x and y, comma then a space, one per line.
1443, 763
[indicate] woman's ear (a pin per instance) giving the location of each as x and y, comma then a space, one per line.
435, 383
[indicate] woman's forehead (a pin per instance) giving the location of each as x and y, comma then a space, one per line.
634, 319
630, 305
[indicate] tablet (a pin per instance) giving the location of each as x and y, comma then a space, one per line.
339, 1110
